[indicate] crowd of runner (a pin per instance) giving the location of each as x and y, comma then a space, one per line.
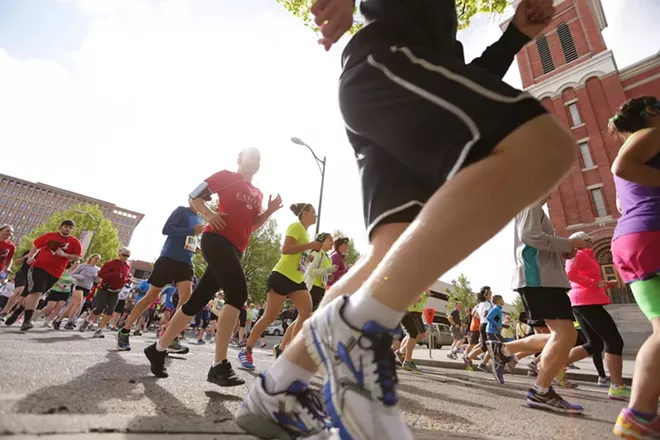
432, 135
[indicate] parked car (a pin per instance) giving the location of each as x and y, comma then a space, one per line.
441, 336
275, 328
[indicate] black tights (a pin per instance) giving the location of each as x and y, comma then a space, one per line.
224, 271
597, 358
600, 333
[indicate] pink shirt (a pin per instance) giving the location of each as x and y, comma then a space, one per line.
584, 274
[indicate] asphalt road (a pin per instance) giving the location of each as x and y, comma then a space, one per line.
66, 382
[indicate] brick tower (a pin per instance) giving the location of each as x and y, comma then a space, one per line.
571, 71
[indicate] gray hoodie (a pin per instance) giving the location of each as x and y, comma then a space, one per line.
538, 251
85, 275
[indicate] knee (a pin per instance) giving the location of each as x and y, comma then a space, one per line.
236, 299
614, 345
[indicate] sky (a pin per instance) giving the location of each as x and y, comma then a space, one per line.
137, 101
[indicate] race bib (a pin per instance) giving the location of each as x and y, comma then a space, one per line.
302, 264
192, 243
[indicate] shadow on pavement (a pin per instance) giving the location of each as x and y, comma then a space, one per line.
411, 389
414, 406
67, 338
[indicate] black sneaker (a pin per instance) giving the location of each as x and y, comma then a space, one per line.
69, 326
551, 401
56, 325
26, 326
137, 333
157, 361
176, 347
276, 350
123, 340
224, 375
12, 319
83, 327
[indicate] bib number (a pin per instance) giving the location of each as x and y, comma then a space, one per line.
192, 243
302, 264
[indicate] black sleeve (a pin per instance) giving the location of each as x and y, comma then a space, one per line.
497, 57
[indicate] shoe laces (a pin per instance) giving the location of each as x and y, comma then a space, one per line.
311, 401
385, 371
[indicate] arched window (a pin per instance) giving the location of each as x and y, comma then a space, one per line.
545, 54
567, 43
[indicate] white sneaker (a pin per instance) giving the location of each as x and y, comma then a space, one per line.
46, 324
294, 413
360, 372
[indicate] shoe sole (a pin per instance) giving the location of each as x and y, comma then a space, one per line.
261, 427
226, 384
537, 405
619, 399
622, 432
179, 351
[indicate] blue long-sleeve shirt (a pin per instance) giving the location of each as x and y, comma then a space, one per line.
494, 320
180, 231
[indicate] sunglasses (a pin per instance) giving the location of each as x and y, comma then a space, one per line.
124, 255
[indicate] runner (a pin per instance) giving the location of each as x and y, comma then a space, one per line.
114, 275
494, 326
287, 280
168, 308
121, 305
480, 313
223, 242
338, 259
20, 281
427, 129
588, 297
320, 270
85, 275
7, 248
57, 250
636, 251
58, 296
456, 330
173, 266
414, 325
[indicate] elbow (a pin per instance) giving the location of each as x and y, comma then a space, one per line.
622, 169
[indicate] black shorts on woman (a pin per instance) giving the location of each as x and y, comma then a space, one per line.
283, 285
416, 114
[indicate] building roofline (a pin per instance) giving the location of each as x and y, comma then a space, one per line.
61, 190
640, 66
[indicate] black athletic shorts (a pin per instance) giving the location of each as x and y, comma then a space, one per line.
495, 337
20, 280
121, 304
166, 271
415, 116
543, 303
242, 318
474, 337
412, 322
317, 296
58, 296
84, 290
39, 281
282, 285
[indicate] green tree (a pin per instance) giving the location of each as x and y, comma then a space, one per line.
461, 291
465, 10
262, 254
518, 307
352, 254
106, 243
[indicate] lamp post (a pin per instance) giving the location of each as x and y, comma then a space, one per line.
96, 232
321, 164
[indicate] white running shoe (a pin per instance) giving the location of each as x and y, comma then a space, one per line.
294, 413
360, 372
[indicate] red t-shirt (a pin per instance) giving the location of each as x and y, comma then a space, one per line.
7, 250
115, 273
240, 201
49, 243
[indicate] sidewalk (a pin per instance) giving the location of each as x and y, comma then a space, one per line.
586, 372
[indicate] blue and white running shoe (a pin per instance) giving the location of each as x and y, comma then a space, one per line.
296, 413
360, 371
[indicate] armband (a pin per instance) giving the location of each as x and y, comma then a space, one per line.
201, 192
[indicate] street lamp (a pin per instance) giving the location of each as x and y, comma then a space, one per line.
98, 226
321, 164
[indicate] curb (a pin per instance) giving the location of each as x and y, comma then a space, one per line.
571, 374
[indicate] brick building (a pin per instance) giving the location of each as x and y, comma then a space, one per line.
26, 204
571, 71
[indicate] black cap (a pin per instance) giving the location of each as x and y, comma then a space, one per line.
68, 223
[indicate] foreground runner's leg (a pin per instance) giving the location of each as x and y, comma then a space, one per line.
360, 391
123, 335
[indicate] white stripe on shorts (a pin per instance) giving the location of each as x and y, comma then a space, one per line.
458, 112
392, 211
30, 282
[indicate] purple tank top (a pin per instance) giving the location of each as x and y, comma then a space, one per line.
640, 205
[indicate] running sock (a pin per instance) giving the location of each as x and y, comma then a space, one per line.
160, 347
362, 308
283, 373
647, 417
541, 390
28, 316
